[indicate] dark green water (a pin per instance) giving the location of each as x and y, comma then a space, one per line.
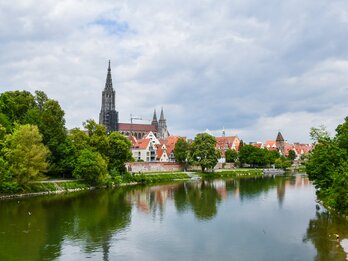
247, 219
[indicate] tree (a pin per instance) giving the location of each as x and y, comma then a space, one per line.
181, 151
98, 137
282, 163
119, 151
203, 152
91, 167
292, 155
25, 153
327, 167
231, 155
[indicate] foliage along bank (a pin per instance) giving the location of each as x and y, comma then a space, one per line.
35, 142
327, 166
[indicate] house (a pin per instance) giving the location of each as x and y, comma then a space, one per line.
226, 142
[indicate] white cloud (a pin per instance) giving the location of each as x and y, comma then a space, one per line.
245, 65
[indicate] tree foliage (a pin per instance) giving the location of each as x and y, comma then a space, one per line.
25, 154
327, 166
91, 167
203, 152
231, 155
257, 157
181, 151
292, 155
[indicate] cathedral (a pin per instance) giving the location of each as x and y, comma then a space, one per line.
108, 116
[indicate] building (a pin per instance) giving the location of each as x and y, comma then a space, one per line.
109, 117
158, 128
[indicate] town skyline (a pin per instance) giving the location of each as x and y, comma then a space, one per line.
253, 69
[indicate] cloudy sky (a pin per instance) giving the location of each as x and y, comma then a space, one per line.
252, 67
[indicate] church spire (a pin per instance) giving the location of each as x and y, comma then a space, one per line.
108, 115
162, 115
108, 83
154, 119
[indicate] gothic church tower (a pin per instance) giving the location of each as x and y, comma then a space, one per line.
162, 127
108, 115
154, 120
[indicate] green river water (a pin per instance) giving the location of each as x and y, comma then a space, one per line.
245, 219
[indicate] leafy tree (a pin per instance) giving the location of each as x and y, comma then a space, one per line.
271, 156
203, 152
98, 137
292, 155
282, 163
91, 167
25, 153
181, 151
119, 151
327, 167
231, 155
15, 105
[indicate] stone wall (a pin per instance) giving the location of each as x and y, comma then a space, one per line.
136, 167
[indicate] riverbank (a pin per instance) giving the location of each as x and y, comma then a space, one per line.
49, 187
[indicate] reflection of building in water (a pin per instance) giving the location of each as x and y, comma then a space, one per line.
220, 186
151, 199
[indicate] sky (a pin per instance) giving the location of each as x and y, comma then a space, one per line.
251, 67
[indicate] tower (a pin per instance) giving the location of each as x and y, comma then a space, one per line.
280, 143
162, 127
154, 120
108, 115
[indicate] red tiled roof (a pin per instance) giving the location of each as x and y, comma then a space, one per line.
136, 127
142, 144
226, 142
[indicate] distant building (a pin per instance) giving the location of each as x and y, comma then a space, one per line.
109, 117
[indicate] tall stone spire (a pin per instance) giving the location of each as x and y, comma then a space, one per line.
154, 120
108, 115
108, 83
162, 115
162, 127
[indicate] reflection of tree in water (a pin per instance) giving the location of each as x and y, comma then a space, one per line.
201, 197
90, 219
321, 232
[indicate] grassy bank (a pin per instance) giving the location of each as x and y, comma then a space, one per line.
231, 173
52, 187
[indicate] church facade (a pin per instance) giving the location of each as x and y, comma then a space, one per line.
108, 116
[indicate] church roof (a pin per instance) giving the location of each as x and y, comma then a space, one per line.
136, 127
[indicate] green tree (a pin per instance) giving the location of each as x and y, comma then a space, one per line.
98, 137
25, 153
181, 151
91, 167
203, 152
282, 163
292, 155
119, 151
231, 155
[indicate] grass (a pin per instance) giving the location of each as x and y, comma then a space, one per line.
229, 173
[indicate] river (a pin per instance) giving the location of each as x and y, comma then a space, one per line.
231, 219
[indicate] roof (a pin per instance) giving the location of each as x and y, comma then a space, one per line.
221, 142
142, 144
136, 127
279, 137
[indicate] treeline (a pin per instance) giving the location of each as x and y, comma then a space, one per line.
327, 166
202, 152
35, 142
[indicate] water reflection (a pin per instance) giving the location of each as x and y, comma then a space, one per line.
39, 227
102, 224
322, 232
203, 197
